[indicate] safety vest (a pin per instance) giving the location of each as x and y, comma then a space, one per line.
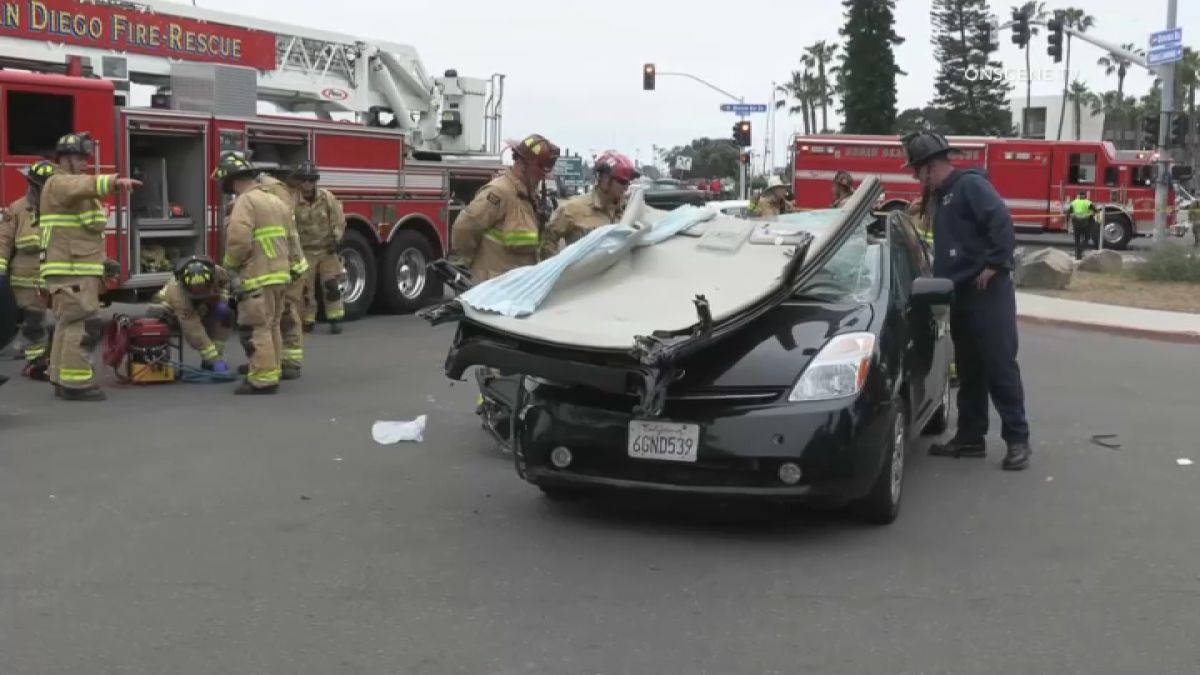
1081, 208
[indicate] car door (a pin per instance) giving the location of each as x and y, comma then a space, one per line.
925, 327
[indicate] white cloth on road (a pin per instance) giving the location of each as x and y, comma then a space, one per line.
386, 433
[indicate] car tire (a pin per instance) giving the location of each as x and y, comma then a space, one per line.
881, 506
359, 262
940, 422
405, 282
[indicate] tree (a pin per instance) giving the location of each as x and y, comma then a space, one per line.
1081, 96
918, 119
796, 90
1115, 64
1080, 21
868, 66
976, 103
711, 158
1034, 11
820, 54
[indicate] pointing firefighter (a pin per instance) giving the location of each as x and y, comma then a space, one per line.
291, 326
321, 223
196, 300
579, 215
500, 229
72, 221
19, 265
774, 199
258, 250
843, 188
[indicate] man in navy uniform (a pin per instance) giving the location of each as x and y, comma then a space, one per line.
973, 246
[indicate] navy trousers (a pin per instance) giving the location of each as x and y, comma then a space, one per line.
983, 325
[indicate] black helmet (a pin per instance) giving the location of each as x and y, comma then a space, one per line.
305, 170
75, 144
197, 275
922, 146
39, 172
233, 164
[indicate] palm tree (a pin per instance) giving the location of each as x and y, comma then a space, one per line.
1035, 11
820, 54
1072, 17
1187, 73
797, 89
1081, 96
1115, 64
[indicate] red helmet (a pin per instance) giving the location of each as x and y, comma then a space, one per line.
535, 149
616, 165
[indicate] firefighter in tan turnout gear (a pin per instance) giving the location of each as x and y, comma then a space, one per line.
499, 230
196, 302
321, 224
579, 215
72, 219
773, 201
291, 328
259, 253
19, 264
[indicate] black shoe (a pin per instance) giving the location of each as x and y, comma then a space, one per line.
1017, 457
335, 328
289, 373
958, 448
308, 327
247, 389
90, 394
244, 369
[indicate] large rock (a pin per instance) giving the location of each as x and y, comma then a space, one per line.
1045, 268
1104, 262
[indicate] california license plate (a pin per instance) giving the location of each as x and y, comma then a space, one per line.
671, 441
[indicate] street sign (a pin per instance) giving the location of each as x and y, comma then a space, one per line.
1157, 57
683, 163
744, 108
1172, 37
570, 171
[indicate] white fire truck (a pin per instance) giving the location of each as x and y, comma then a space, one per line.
409, 153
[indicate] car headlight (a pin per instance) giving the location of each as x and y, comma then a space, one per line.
838, 370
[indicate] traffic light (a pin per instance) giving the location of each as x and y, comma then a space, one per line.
648, 77
1180, 125
989, 41
1020, 28
1150, 131
1055, 38
744, 158
741, 133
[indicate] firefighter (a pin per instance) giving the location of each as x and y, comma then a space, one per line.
774, 199
499, 230
291, 326
258, 251
321, 223
196, 301
579, 215
1083, 222
973, 246
843, 188
72, 219
19, 266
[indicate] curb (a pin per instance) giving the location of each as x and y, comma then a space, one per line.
1179, 337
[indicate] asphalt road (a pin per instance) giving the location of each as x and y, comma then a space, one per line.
181, 529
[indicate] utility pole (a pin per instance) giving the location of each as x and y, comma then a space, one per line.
1166, 113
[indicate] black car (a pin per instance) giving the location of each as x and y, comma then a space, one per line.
814, 393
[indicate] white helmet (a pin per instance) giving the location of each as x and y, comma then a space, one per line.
774, 182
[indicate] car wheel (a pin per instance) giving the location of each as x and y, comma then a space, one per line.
882, 503
940, 422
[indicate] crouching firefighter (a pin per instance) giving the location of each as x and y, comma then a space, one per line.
196, 302
19, 267
321, 223
258, 252
72, 219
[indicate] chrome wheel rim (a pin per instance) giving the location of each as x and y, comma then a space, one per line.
410, 273
1113, 232
356, 276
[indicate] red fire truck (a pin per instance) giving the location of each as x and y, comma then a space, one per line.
410, 154
1036, 178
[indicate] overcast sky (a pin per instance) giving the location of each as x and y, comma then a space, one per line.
574, 68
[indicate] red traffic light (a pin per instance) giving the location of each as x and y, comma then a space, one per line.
648, 73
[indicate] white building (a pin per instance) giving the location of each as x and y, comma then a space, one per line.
1043, 118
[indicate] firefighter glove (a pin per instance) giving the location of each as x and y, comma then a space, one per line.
220, 367
221, 309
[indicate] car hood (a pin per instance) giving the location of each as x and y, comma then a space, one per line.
774, 350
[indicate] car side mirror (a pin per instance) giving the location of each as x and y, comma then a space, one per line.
929, 291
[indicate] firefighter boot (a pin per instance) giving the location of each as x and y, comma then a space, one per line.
243, 369
289, 372
309, 326
335, 327
1017, 457
89, 394
247, 389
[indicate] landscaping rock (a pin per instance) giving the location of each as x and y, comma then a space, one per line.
1104, 262
1045, 268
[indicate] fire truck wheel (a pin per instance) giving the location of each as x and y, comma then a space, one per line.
359, 262
1117, 231
405, 283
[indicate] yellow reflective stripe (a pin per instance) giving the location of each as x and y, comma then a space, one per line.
59, 219
301, 267
209, 353
34, 351
514, 238
269, 279
93, 218
74, 374
229, 261
334, 314
267, 376
25, 282
73, 269
3, 264
28, 241
293, 354
264, 235
104, 185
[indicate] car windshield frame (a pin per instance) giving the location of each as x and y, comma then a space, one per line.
859, 273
